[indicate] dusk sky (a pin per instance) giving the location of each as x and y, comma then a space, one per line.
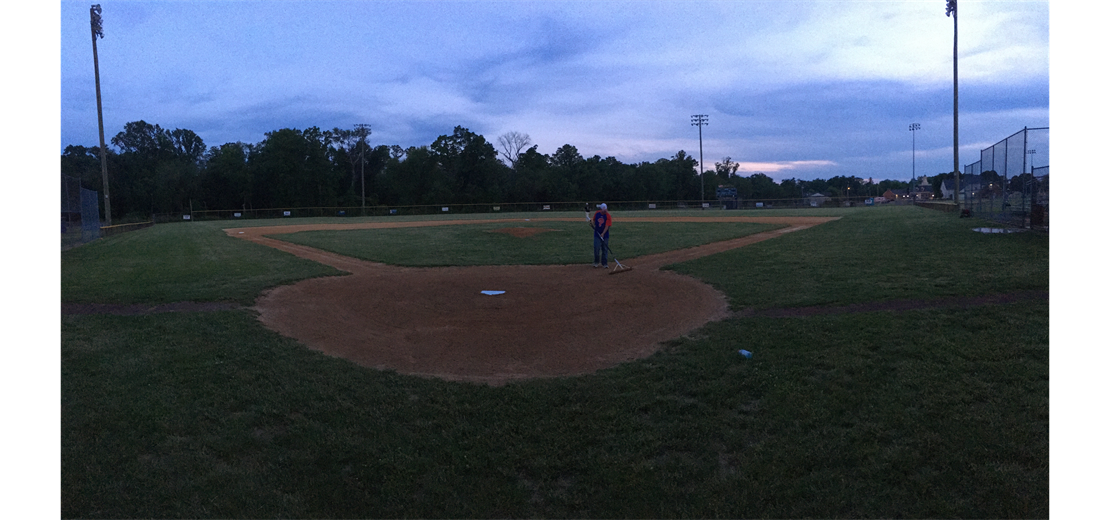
803, 89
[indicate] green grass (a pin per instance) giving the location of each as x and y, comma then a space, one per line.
932, 413
480, 244
178, 262
878, 254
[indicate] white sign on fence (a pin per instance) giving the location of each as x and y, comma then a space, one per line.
287, 213
651, 206
186, 217
705, 204
759, 204
546, 207
237, 215
444, 208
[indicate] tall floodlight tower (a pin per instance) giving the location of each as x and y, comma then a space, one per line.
914, 127
363, 130
951, 11
97, 31
699, 120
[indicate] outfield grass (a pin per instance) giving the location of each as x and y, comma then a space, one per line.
178, 262
878, 254
930, 413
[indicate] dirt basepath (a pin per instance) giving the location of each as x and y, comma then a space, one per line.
550, 321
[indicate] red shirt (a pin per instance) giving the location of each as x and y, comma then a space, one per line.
602, 220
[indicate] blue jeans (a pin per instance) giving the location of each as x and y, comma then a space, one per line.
600, 250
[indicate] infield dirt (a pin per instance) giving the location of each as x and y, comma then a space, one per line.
551, 321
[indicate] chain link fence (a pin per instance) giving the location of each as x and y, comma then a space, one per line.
80, 213
522, 207
1005, 185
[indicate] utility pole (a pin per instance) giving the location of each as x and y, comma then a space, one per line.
94, 19
699, 120
951, 11
363, 131
914, 127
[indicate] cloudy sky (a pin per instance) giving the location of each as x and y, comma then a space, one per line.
804, 89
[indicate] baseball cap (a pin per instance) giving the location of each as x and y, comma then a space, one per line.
603, 206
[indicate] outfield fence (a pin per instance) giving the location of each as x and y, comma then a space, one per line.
522, 207
1005, 185
80, 213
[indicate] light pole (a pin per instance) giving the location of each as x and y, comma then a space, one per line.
699, 120
951, 11
94, 20
363, 130
914, 127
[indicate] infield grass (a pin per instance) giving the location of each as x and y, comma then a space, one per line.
927, 413
488, 244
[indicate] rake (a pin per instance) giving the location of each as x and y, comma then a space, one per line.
621, 268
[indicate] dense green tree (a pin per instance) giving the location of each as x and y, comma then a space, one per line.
529, 177
471, 163
815, 186
226, 183
419, 179
280, 168
566, 179
83, 163
682, 169
726, 169
791, 189
764, 187
159, 170
605, 178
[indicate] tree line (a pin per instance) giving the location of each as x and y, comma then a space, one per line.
157, 171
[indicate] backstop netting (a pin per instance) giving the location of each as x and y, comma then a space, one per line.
80, 213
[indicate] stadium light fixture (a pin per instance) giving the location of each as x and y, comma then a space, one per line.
699, 120
98, 31
950, 10
914, 127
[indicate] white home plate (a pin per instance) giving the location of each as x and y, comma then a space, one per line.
492, 293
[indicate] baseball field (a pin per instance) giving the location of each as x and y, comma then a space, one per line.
355, 368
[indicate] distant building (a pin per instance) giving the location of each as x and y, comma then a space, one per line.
896, 195
922, 190
816, 199
970, 186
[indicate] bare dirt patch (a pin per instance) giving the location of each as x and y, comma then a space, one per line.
550, 321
